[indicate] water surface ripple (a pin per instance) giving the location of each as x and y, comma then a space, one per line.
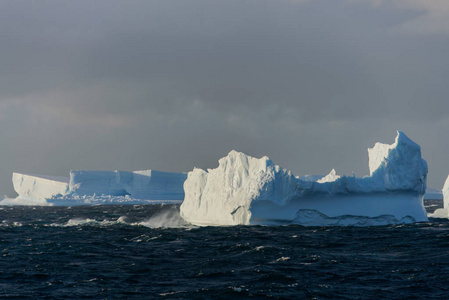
123, 252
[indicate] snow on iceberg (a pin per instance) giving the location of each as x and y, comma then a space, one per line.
247, 190
99, 187
332, 176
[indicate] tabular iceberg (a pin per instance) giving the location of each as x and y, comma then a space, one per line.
246, 190
35, 189
99, 187
443, 212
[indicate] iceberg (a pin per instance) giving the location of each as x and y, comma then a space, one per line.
149, 184
244, 190
35, 189
433, 194
310, 217
99, 187
443, 212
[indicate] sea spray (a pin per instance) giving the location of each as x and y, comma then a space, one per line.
169, 218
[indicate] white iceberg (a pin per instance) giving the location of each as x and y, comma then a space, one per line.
39, 187
99, 187
148, 184
246, 190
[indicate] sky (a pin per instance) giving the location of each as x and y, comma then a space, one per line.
172, 85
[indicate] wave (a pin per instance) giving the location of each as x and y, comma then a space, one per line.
311, 217
168, 218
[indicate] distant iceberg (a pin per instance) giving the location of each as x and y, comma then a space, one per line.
433, 194
99, 187
443, 212
39, 187
245, 190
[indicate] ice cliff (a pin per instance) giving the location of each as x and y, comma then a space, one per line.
147, 184
247, 190
99, 187
37, 188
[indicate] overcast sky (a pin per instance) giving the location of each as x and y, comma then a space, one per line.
172, 85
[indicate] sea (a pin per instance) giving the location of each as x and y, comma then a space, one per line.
147, 252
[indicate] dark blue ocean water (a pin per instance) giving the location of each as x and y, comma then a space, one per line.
109, 252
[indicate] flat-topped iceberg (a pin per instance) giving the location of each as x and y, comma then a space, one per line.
433, 194
247, 190
148, 184
99, 187
35, 189
443, 212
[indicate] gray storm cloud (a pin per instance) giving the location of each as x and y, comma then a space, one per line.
171, 85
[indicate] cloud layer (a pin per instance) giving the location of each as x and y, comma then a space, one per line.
171, 85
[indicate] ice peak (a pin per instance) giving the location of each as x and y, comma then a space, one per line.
332, 176
381, 153
241, 155
236, 158
398, 166
401, 138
